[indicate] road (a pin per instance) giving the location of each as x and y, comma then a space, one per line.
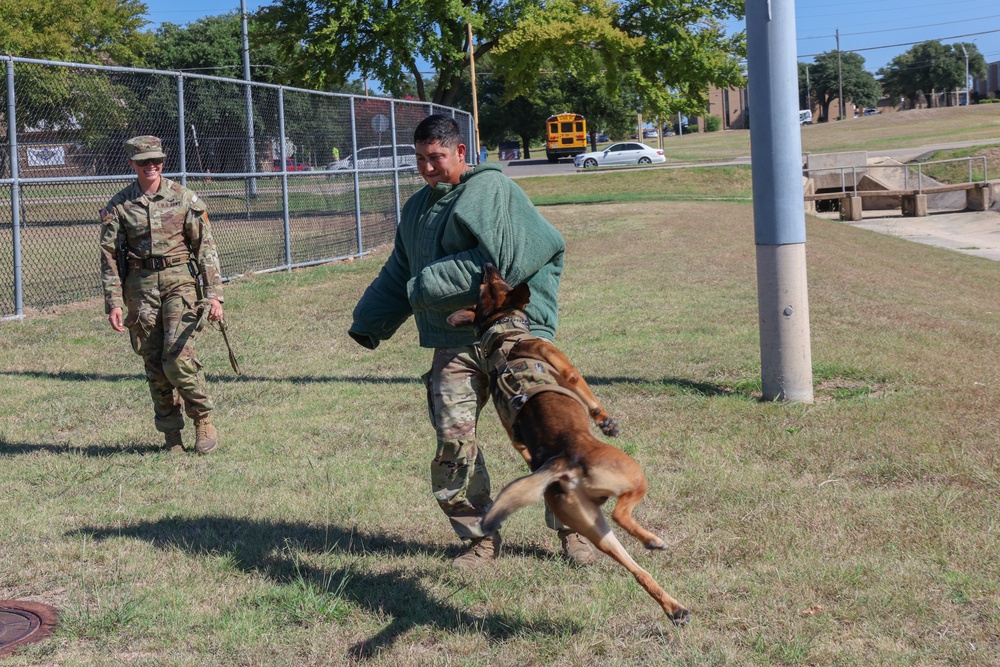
542, 167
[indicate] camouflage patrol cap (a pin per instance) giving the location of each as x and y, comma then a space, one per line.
145, 146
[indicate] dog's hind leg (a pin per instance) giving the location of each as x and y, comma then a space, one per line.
585, 517
622, 515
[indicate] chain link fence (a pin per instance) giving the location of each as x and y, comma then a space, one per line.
291, 177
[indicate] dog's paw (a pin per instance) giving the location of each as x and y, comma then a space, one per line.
680, 617
610, 427
656, 544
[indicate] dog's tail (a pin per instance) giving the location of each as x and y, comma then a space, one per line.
528, 490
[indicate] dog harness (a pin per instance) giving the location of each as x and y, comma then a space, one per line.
515, 382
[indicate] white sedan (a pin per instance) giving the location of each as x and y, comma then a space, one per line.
625, 152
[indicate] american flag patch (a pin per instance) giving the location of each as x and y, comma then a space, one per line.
105, 214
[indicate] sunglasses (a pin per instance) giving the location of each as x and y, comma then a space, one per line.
152, 160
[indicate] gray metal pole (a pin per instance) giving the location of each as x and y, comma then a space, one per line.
357, 181
15, 191
181, 135
966, 86
778, 205
809, 104
395, 161
284, 179
840, 82
252, 149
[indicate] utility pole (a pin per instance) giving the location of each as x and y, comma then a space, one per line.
840, 80
778, 207
808, 98
475, 103
966, 74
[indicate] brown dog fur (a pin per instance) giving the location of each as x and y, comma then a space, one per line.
571, 469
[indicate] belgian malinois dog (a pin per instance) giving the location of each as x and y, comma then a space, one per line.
571, 469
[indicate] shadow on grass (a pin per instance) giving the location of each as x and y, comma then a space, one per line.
80, 376
96, 451
262, 547
681, 384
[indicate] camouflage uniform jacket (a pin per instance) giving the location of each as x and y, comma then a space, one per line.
445, 235
173, 222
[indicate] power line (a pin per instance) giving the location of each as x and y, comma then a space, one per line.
915, 27
893, 46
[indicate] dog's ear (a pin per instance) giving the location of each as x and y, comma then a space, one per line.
462, 318
518, 297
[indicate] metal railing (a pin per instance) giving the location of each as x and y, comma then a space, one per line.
260, 155
906, 169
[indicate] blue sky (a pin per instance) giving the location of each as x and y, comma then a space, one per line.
863, 24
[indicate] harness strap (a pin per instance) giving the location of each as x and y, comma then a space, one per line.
517, 382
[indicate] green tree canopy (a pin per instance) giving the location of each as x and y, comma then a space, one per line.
931, 67
860, 85
664, 54
81, 31
85, 31
213, 45
663, 49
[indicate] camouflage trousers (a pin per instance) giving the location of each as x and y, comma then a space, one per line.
161, 320
458, 387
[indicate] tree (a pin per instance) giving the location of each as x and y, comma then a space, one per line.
860, 86
85, 31
663, 54
664, 49
931, 67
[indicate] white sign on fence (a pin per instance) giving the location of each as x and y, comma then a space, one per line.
46, 157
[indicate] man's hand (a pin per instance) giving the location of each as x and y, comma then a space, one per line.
363, 340
115, 318
214, 310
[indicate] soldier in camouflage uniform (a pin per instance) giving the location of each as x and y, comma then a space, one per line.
159, 230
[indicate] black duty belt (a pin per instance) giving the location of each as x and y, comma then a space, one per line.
158, 263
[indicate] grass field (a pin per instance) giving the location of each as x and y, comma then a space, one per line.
861, 530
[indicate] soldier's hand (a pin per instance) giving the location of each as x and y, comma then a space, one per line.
214, 310
115, 318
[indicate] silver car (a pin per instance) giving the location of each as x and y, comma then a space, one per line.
379, 157
624, 152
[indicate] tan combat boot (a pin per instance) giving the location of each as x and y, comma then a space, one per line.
576, 548
207, 438
173, 442
481, 551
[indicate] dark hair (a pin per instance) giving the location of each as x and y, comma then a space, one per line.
440, 128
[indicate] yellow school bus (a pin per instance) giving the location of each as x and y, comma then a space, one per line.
565, 136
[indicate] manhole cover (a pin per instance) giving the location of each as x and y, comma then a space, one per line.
24, 623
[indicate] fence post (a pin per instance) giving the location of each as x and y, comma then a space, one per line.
284, 179
181, 136
15, 191
357, 183
395, 160
251, 183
